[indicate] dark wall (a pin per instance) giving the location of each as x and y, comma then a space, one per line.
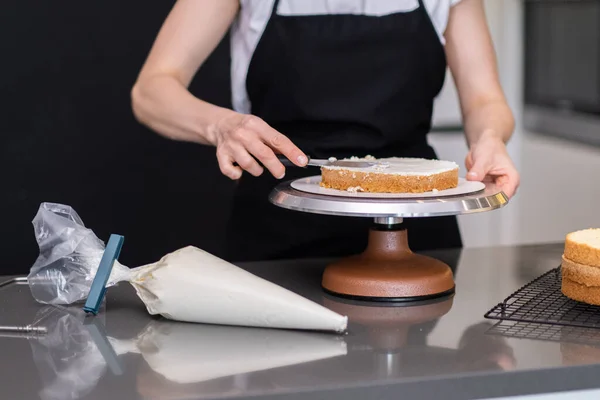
562, 55
69, 136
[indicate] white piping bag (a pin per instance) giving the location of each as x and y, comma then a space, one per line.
194, 286
189, 285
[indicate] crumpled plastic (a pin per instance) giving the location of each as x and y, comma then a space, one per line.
69, 257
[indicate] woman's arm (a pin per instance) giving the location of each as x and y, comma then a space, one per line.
472, 61
488, 120
161, 100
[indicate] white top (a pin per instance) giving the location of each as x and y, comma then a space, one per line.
401, 166
254, 15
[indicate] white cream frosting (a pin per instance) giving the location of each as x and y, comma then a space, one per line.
355, 189
400, 166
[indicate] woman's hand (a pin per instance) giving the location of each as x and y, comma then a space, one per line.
243, 141
488, 161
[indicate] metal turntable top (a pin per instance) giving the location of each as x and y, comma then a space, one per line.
487, 199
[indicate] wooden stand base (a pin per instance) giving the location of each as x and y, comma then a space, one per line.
388, 271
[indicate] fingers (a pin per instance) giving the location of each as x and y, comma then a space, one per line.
506, 179
510, 183
227, 166
245, 142
248, 142
477, 172
267, 157
279, 142
491, 163
245, 160
469, 161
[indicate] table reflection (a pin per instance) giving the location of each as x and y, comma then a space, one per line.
69, 358
76, 353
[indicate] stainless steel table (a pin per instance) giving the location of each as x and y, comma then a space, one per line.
442, 350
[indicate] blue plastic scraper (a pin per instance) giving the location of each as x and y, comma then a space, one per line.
98, 289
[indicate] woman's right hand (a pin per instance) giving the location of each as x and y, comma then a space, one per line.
244, 142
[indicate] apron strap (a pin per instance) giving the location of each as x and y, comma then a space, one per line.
275, 5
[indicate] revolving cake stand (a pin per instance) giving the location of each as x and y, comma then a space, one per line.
387, 270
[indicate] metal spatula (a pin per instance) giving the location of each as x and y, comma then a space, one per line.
335, 163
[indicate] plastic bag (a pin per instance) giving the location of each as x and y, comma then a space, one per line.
69, 257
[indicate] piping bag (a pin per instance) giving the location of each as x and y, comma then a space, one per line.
188, 285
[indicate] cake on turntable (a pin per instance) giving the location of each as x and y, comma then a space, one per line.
387, 270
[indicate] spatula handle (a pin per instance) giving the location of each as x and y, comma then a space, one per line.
285, 161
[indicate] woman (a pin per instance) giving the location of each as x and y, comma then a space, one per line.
325, 78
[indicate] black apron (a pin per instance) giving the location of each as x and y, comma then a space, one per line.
341, 86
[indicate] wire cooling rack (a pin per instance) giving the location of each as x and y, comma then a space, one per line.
542, 302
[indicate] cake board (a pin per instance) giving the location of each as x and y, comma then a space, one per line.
387, 270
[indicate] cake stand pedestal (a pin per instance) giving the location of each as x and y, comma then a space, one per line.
387, 270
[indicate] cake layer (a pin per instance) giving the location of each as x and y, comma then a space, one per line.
380, 183
582, 293
583, 247
585, 275
393, 175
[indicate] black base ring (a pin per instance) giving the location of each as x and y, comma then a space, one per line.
391, 299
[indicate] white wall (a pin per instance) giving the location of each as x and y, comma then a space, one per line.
446, 109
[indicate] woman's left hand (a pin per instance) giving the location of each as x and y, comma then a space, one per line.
488, 161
